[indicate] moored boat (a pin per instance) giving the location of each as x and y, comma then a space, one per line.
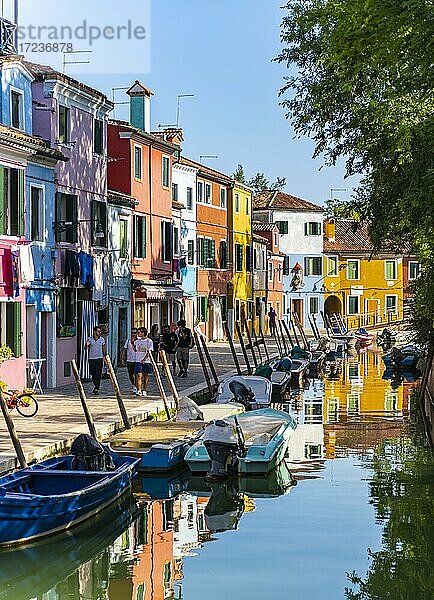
258, 439
52, 496
404, 357
259, 391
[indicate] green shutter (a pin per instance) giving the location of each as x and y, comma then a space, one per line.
93, 218
2, 200
211, 247
205, 252
21, 194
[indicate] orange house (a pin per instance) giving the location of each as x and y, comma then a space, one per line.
140, 165
213, 269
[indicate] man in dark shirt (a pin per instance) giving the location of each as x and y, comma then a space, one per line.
185, 344
169, 343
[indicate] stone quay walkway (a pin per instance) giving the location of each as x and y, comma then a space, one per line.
60, 418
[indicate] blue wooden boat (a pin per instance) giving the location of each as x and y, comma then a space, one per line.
34, 569
404, 357
266, 432
51, 496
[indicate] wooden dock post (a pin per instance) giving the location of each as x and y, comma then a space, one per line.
283, 338
243, 348
285, 326
256, 343
277, 340
83, 399
12, 432
249, 337
301, 330
117, 391
297, 341
202, 362
232, 347
265, 345
160, 386
209, 360
168, 373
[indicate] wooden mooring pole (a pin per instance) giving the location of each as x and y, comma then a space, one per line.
261, 333
160, 386
283, 338
256, 343
117, 391
168, 374
209, 360
243, 348
202, 362
12, 432
249, 337
285, 326
83, 399
232, 347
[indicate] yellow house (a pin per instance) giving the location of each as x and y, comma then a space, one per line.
240, 299
365, 289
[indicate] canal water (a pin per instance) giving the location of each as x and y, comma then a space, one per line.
349, 515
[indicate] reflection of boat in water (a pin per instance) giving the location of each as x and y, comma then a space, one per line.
161, 486
32, 570
404, 358
277, 483
397, 377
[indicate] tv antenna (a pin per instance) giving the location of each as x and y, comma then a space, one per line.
178, 111
74, 62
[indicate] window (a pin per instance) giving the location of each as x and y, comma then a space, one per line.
282, 226
190, 252
208, 193
174, 192
353, 305
66, 212
64, 124
238, 258
413, 270
176, 241
222, 197
199, 252
313, 305
123, 238
312, 228
17, 109
247, 205
249, 263
200, 191
276, 239
37, 223
66, 312
270, 273
390, 269
237, 203
332, 266
237, 309
313, 265
10, 326
139, 236
138, 169
99, 223
206, 253
279, 273
166, 241
98, 136
166, 172
353, 269
353, 404
223, 254
189, 198
391, 304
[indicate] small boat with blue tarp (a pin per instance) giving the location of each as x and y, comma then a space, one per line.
58, 493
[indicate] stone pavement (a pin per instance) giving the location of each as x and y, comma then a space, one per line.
60, 418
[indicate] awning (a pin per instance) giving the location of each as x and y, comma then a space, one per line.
161, 292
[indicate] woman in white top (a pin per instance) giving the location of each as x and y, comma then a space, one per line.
97, 350
143, 366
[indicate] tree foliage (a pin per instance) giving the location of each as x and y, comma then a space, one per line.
259, 183
361, 86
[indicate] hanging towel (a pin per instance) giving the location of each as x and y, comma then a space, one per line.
89, 320
98, 293
15, 263
86, 269
27, 265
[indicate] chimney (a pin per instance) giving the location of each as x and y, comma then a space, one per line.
140, 106
174, 136
330, 229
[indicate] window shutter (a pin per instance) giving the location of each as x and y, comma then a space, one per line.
286, 265
72, 204
142, 223
2, 200
21, 194
211, 246
306, 229
205, 252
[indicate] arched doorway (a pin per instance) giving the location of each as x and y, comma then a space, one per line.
333, 306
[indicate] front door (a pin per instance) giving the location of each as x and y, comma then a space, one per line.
297, 308
122, 333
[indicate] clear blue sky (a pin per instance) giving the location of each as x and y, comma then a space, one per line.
221, 50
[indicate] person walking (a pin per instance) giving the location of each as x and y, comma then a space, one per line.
155, 336
272, 320
143, 346
97, 350
185, 344
169, 343
129, 357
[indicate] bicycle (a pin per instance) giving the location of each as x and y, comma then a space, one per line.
25, 402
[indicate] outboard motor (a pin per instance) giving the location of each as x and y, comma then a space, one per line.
284, 364
386, 338
90, 455
222, 444
242, 394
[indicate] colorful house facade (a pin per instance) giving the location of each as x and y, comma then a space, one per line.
240, 290
259, 282
275, 263
140, 166
363, 287
301, 240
